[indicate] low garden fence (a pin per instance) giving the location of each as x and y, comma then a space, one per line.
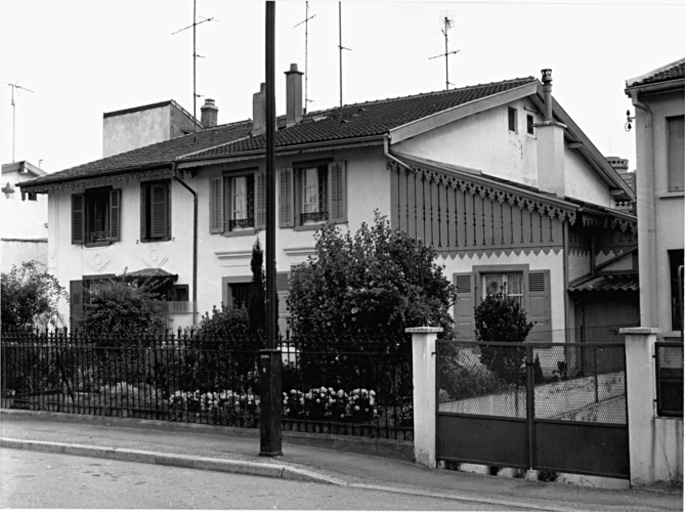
354, 386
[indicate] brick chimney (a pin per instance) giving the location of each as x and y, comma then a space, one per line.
209, 113
259, 111
550, 142
293, 96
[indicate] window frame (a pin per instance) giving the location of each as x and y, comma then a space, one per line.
82, 213
322, 214
675, 160
512, 119
146, 211
221, 203
530, 125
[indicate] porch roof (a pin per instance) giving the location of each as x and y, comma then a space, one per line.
615, 282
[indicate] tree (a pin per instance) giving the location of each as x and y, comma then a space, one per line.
121, 308
29, 297
257, 306
501, 318
377, 281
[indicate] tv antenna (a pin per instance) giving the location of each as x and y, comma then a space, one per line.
307, 17
447, 20
195, 55
14, 117
341, 48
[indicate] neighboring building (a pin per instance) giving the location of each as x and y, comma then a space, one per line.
659, 100
497, 177
24, 228
621, 166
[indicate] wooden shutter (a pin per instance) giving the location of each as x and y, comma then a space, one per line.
115, 215
286, 199
539, 306
159, 210
260, 200
463, 307
676, 154
75, 304
78, 219
337, 192
216, 206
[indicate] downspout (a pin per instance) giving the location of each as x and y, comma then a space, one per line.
173, 168
386, 152
648, 261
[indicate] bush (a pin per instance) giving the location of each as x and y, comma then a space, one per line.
29, 297
462, 375
501, 318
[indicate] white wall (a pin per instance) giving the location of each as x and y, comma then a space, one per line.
132, 130
582, 182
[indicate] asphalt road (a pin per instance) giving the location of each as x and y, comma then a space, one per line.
46, 480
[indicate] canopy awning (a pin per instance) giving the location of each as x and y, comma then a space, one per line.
607, 283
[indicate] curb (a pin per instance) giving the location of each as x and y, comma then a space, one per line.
263, 469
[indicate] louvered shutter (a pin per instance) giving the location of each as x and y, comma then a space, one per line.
159, 210
286, 199
676, 154
463, 307
215, 205
78, 219
75, 304
143, 212
539, 306
115, 215
260, 200
337, 192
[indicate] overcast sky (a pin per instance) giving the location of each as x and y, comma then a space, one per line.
83, 58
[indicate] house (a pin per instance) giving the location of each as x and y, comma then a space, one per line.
497, 177
659, 101
25, 238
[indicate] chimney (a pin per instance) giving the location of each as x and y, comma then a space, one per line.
259, 111
293, 96
209, 113
550, 146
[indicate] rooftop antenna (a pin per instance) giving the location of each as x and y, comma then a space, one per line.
341, 48
307, 17
15, 86
195, 55
446, 17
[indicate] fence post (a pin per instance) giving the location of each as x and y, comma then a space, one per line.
424, 381
653, 441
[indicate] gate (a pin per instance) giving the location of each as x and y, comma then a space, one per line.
546, 406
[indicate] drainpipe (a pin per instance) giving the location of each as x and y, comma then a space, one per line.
386, 152
173, 167
648, 262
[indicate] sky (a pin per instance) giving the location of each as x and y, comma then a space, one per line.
83, 58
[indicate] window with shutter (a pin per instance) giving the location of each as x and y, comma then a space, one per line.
75, 304
676, 153
155, 211
260, 190
286, 199
216, 205
337, 185
96, 216
463, 306
539, 305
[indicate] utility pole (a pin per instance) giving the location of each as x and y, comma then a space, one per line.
14, 116
270, 358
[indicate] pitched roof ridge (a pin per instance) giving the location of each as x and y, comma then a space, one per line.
527, 79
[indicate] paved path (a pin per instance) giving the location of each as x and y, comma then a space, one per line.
230, 450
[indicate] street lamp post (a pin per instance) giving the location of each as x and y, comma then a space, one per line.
270, 357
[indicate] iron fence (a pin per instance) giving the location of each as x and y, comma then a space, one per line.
340, 386
669, 378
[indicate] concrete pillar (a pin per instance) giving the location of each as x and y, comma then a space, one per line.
423, 366
655, 443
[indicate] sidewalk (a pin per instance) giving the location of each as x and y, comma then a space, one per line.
232, 450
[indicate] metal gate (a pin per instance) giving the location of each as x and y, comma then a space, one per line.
546, 406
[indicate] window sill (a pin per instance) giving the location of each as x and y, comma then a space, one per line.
672, 195
103, 243
240, 232
153, 240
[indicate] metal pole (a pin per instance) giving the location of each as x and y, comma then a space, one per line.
447, 65
340, 46
194, 60
270, 358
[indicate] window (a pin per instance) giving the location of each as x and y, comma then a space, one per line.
312, 194
530, 124
513, 120
95, 216
530, 287
237, 203
676, 153
155, 217
675, 260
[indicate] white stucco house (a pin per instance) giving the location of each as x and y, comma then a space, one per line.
24, 225
497, 177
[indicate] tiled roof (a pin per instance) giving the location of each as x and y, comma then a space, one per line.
366, 119
665, 73
608, 283
359, 120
